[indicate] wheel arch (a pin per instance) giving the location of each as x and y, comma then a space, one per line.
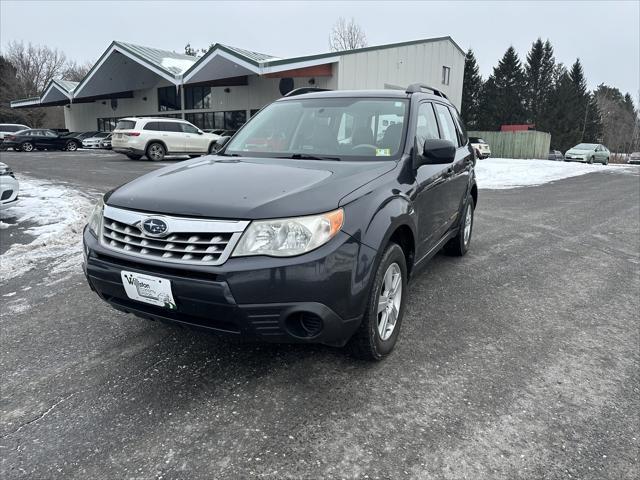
161, 142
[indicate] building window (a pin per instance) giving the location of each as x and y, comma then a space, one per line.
107, 124
253, 112
168, 99
196, 98
231, 120
446, 75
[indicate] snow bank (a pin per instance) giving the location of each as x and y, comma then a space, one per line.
501, 173
56, 215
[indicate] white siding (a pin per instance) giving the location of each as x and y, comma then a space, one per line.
404, 65
258, 93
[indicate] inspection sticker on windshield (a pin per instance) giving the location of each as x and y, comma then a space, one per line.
383, 152
148, 289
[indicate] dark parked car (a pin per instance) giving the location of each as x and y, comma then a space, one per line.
40, 139
634, 158
555, 155
82, 135
303, 228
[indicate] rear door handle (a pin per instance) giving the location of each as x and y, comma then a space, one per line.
450, 171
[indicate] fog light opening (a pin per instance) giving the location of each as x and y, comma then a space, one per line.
304, 324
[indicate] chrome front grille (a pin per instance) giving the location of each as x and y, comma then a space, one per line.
192, 241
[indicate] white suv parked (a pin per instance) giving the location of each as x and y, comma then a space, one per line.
11, 128
157, 137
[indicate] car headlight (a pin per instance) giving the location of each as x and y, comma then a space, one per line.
287, 237
95, 219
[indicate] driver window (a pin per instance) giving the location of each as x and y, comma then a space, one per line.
446, 124
186, 128
426, 126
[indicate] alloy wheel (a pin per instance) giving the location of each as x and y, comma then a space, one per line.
156, 152
389, 301
468, 222
27, 147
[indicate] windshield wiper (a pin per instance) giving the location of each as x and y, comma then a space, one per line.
304, 156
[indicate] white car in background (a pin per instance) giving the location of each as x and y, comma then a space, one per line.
480, 147
95, 141
11, 128
9, 186
160, 136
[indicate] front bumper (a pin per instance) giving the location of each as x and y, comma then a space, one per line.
315, 298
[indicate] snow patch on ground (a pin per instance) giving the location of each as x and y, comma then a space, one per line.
502, 173
57, 214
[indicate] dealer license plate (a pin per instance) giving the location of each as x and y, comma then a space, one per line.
148, 289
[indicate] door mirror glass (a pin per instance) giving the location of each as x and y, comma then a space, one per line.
436, 151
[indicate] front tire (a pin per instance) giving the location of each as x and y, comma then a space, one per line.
458, 246
378, 332
591, 161
26, 147
156, 152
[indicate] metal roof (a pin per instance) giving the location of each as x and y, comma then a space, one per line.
256, 57
364, 49
67, 85
171, 62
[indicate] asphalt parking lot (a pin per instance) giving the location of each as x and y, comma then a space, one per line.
520, 360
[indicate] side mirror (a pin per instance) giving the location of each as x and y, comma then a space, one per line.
436, 151
221, 142
200, 132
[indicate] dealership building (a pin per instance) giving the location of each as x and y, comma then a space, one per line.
227, 85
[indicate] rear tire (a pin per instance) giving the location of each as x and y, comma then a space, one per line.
378, 332
71, 146
27, 147
212, 148
156, 152
458, 246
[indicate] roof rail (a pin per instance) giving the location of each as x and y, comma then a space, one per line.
303, 90
419, 87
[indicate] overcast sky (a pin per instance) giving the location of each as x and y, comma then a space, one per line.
604, 35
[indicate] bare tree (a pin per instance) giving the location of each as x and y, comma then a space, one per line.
36, 66
346, 36
75, 72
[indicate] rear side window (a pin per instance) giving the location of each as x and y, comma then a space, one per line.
462, 133
447, 127
125, 125
170, 126
426, 125
152, 126
11, 128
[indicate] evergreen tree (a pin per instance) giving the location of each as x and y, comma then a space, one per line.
593, 124
566, 125
629, 106
546, 87
502, 99
533, 74
471, 87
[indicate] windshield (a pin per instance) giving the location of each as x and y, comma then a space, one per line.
585, 146
332, 128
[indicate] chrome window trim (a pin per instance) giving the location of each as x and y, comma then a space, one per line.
176, 225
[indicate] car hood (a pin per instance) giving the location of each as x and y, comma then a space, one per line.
577, 152
246, 188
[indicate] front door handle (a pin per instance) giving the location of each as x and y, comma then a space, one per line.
450, 171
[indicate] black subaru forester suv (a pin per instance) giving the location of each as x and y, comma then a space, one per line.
305, 227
